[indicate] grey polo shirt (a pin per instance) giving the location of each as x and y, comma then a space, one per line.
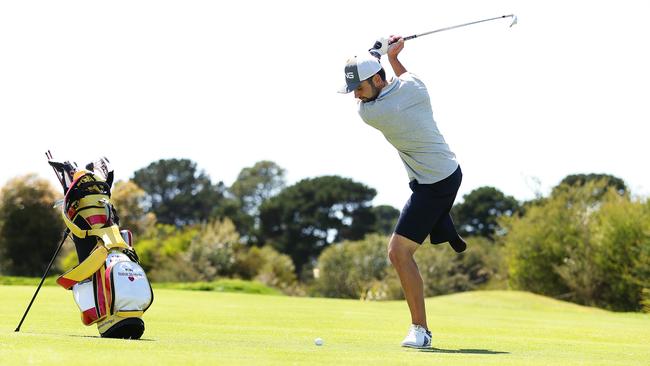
402, 112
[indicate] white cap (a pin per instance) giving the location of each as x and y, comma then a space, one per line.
358, 69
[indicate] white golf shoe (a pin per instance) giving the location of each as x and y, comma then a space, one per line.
418, 337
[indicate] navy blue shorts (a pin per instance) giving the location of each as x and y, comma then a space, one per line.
426, 213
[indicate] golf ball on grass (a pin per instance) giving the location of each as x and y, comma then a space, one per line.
318, 341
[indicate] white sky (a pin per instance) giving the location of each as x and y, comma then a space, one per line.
226, 84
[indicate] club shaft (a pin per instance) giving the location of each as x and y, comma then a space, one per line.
457, 26
65, 235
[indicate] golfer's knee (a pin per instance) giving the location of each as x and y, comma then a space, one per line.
393, 256
397, 253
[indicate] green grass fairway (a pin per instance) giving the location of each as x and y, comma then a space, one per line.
210, 328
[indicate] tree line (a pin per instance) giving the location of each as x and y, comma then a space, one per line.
322, 235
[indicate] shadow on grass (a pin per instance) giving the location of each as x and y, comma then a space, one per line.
464, 351
99, 337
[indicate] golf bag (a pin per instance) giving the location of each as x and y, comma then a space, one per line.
108, 285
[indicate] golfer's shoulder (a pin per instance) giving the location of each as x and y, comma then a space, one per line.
410, 78
412, 82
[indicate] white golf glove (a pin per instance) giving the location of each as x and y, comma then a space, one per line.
380, 47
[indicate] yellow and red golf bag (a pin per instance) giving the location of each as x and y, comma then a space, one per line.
109, 286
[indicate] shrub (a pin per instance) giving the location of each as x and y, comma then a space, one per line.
361, 269
352, 269
267, 266
193, 253
444, 271
212, 251
161, 245
584, 247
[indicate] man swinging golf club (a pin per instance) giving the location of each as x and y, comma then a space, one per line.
401, 110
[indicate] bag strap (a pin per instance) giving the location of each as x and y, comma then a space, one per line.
84, 269
110, 236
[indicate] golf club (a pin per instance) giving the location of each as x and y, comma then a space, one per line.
381, 46
65, 235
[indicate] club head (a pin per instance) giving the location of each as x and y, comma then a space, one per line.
514, 21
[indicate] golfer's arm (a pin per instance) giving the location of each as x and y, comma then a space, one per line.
397, 66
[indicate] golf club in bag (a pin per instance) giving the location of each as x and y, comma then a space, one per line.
108, 285
381, 46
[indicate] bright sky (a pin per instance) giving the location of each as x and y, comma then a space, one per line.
227, 84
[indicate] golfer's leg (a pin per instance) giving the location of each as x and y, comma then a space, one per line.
400, 252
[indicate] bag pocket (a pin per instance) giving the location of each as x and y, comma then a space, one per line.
130, 290
84, 295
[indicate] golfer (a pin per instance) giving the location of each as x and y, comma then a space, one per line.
401, 110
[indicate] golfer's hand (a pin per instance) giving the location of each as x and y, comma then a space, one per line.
396, 46
380, 47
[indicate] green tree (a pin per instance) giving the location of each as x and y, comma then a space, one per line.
258, 183
579, 180
129, 201
253, 186
313, 213
480, 211
30, 229
385, 219
177, 193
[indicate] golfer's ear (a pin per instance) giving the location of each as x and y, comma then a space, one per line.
376, 79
